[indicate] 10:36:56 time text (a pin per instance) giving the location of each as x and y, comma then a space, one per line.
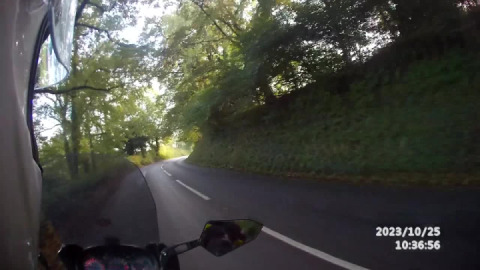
417, 245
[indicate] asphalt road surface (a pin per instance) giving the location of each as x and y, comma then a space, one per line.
311, 224
121, 208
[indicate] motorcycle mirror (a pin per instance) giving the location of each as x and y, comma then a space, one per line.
220, 237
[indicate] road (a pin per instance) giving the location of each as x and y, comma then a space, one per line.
311, 224
110, 212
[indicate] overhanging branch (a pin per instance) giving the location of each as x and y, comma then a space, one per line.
202, 41
50, 128
80, 9
232, 28
101, 8
84, 3
107, 33
200, 5
76, 88
95, 28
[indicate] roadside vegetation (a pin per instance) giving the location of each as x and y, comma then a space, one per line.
420, 127
166, 152
376, 90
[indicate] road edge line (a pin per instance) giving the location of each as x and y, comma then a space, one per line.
199, 194
165, 171
315, 252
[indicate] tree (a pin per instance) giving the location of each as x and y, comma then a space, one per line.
101, 63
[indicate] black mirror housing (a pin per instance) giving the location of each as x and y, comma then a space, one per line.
220, 237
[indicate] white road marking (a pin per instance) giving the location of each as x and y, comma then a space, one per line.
194, 191
165, 171
317, 253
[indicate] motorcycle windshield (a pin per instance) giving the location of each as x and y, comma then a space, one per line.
92, 200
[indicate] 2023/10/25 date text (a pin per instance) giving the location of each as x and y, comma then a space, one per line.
428, 231
417, 245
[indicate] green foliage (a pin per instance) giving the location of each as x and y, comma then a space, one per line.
317, 87
168, 151
141, 161
218, 63
425, 121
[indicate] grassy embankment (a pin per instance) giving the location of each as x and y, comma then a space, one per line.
418, 126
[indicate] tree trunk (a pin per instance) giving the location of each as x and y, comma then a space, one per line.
75, 123
157, 146
75, 135
68, 155
92, 153
346, 56
264, 87
88, 127
64, 124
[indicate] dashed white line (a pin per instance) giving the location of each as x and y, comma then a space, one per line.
165, 171
315, 252
194, 191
